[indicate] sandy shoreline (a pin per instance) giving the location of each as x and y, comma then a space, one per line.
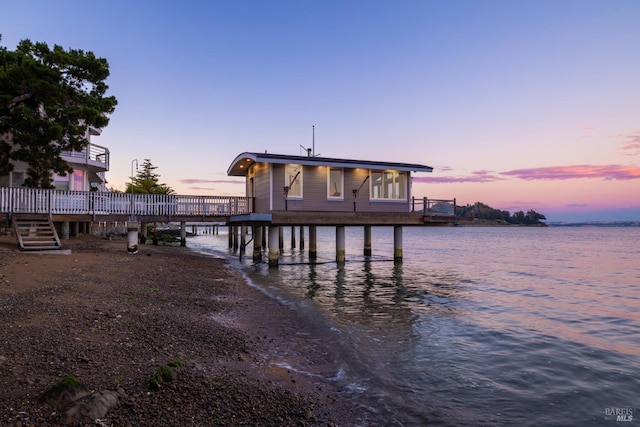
112, 319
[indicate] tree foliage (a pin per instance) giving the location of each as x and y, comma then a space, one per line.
481, 211
48, 100
146, 181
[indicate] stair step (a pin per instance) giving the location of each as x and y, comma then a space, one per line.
36, 234
42, 248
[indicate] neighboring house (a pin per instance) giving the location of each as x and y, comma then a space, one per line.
89, 167
305, 183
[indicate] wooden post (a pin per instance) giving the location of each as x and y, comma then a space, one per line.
143, 233
280, 238
257, 243
367, 240
340, 244
302, 237
293, 237
274, 245
397, 243
73, 229
313, 242
230, 235
236, 231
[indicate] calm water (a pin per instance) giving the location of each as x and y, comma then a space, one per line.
478, 326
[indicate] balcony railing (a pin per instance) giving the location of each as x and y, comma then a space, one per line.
433, 207
56, 202
92, 154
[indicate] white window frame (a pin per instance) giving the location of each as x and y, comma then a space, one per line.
390, 183
290, 171
337, 187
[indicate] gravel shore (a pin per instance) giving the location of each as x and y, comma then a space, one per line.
115, 322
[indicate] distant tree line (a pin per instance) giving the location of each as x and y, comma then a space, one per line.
481, 211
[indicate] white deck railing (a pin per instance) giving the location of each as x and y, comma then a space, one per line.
56, 202
433, 206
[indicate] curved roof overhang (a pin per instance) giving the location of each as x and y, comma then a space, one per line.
242, 162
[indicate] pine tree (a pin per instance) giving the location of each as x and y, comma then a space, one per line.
48, 100
146, 181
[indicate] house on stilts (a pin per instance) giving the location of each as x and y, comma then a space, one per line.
316, 191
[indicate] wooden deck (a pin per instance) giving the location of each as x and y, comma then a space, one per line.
295, 218
87, 206
107, 206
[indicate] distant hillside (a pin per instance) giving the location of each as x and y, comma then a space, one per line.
480, 211
595, 224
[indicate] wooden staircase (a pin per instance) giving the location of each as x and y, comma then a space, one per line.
36, 233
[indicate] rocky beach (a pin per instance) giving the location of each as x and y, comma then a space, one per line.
164, 337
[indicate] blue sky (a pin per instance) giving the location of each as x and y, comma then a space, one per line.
517, 104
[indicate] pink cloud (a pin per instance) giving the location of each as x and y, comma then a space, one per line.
632, 144
444, 168
607, 172
476, 176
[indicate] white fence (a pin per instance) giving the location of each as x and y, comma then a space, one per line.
56, 202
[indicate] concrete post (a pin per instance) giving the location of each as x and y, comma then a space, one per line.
313, 242
132, 237
397, 243
340, 244
367, 240
64, 230
274, 245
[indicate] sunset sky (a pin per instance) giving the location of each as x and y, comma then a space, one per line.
518, 104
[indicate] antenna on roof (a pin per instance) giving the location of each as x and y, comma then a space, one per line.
311, 152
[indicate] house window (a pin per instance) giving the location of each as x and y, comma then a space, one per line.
78, 180
293, 181
389, 185
61, 182
335, 184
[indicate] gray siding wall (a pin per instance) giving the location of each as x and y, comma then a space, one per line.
261, 186
314, 181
